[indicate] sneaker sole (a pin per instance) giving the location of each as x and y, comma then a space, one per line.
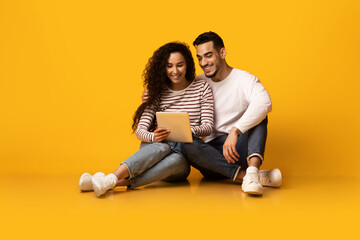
254, 191
81, 182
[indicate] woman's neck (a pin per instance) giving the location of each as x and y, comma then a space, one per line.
179, 86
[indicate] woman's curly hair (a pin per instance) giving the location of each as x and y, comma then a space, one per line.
155, 76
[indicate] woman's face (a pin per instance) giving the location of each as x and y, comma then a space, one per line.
176, 71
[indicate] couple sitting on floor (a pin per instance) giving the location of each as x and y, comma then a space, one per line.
227, 106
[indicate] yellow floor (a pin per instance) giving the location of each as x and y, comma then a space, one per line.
51, 207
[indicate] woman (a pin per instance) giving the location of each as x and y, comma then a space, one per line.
169, 76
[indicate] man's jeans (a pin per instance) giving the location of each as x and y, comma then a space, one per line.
208, 157
155, 162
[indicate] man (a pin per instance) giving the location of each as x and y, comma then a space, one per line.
236, 148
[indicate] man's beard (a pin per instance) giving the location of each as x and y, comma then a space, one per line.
214, 74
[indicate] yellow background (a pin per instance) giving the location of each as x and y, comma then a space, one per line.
70, 79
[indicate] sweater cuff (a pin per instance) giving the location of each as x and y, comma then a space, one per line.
152, 137
241, 128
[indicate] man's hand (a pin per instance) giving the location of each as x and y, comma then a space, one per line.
160, 134
145, 96
229, 147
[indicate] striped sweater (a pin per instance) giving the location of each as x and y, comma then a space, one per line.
196, 99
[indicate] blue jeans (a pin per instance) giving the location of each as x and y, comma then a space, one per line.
155, 162
208, 157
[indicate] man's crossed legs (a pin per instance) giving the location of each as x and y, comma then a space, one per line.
209, 160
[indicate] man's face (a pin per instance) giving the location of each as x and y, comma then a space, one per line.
209, 59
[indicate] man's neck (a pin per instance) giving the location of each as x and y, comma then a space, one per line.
222, 73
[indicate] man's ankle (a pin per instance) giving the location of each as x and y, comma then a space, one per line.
254, 161
252, 169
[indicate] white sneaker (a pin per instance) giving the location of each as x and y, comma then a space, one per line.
251, 184
272, 178
104, 183
85, 183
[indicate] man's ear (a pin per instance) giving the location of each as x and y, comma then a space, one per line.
223, 53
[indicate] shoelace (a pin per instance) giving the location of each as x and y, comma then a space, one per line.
253, 177
264, 178
109, 181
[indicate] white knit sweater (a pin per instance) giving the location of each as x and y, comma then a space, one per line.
240, 100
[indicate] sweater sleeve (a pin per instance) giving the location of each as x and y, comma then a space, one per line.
259, 104
142, 131
207, 113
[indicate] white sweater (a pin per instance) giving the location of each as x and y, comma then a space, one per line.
240, 100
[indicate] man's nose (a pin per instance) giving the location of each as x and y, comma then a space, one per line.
203, 62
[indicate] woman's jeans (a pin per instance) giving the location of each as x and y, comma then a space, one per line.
208, 157
155, 162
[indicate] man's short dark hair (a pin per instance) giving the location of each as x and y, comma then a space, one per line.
207, 37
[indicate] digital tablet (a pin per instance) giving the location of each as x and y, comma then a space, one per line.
178, 123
